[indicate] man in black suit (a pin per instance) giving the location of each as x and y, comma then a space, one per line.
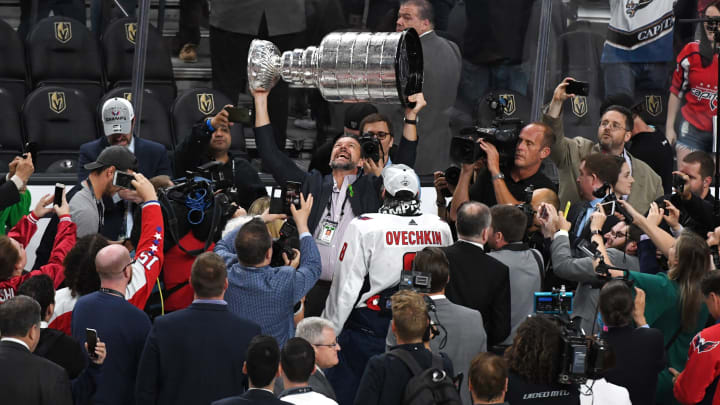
262, 367
477, 280
24, 377
196, 355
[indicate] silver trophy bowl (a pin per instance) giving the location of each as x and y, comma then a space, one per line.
381, 67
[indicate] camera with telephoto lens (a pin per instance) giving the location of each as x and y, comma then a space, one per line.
503, 133
370, 147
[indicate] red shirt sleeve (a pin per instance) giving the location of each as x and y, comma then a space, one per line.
148, 255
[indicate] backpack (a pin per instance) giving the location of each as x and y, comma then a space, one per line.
431, 386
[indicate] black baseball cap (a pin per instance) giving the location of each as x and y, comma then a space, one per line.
356, 112
118, 156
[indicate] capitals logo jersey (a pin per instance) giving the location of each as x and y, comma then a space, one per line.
696, 86
379, 246
639, 31
698, 382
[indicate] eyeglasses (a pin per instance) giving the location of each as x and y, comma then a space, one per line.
612, 125
331, 345
618, 234
379, 135
130, 264
711, 25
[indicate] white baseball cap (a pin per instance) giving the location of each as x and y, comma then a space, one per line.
398, 178
117, 116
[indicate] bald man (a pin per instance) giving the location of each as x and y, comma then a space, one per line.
112, 310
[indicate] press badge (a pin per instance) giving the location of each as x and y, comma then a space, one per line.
327, 232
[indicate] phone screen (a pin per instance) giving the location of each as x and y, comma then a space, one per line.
292, 194
59, 189
240, 114
544, 212
123, 179
608, 208
577, 88
91, 338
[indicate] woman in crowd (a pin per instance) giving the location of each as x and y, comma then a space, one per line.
694, 83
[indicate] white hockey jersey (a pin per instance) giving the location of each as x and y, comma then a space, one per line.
640, 31
380, 246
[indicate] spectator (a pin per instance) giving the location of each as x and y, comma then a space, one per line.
354, 114
103, 12
525, 265
488, 379
696, 384
376, 248
187, 38
262, 294
614, 131
445, 183
74, 9
321, 335
233, 25
634, 62
118, 120
87, 202
534, 362
195, 355
53, 345
21, 168
262, 367
122, 326
580, 269
80, 277
387, 374
507, 186
13, 257
623, 237
209, 141
25, 378
10, 216
297, 361
639, 350
346, 184
691, 106
674, 303
487, 291
460, 334
442, 64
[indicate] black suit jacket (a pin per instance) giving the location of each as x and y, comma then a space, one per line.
9, 194
252, 397
480, 282
29, 379
152, 157
194, 356
62, 350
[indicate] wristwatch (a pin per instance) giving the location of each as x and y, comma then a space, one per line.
411, 122
595, 232
498, 176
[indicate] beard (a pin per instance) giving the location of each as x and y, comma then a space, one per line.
335, 165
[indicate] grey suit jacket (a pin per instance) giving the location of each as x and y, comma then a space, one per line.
465, 335
318, 382
581, 270
244, 16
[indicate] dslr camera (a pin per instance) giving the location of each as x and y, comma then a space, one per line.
371, 148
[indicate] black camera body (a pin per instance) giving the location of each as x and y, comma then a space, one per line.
416, 281
581, 357
678, 182
371, 148
288, 240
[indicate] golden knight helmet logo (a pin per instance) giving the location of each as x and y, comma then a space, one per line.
509, 106
579, 106
63, 31
130, 32
653, 105
206, 103
127, 96
57, 101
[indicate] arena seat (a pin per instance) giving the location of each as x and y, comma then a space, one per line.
118, 43
195, 104
578, 54
63, 52
581, 116
12, 64
155, 122
654, 106
11, 140
59, 120
516, 106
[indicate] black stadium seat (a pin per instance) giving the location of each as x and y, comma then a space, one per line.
654, 106
118, 43
155, 122
59, 120
195, 104
62, 52
515, 106
12, 63
11, 141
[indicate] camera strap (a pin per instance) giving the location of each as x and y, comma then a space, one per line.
173, 223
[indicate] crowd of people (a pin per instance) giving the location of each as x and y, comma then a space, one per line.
180, 280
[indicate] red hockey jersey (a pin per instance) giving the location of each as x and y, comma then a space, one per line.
701, 370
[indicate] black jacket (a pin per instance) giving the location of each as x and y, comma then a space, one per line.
9, 194
252, 397
62, 350
480, 282
29, 379
194, 356
365, 197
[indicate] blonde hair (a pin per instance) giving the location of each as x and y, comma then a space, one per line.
409, 313
258, 207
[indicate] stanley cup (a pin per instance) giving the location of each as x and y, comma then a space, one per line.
382, 67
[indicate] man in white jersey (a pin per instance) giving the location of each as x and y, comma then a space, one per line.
376, 249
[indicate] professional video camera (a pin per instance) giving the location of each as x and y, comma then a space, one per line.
527, 207
371, 148
581, 357
503, 133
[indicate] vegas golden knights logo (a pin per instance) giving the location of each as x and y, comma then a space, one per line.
127, 96
63, 31
206, 103
579, 106
653, 105
130, 32
57, 101
509, 106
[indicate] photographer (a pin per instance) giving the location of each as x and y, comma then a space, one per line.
581, 269
614, 131
507, 186
210, 140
